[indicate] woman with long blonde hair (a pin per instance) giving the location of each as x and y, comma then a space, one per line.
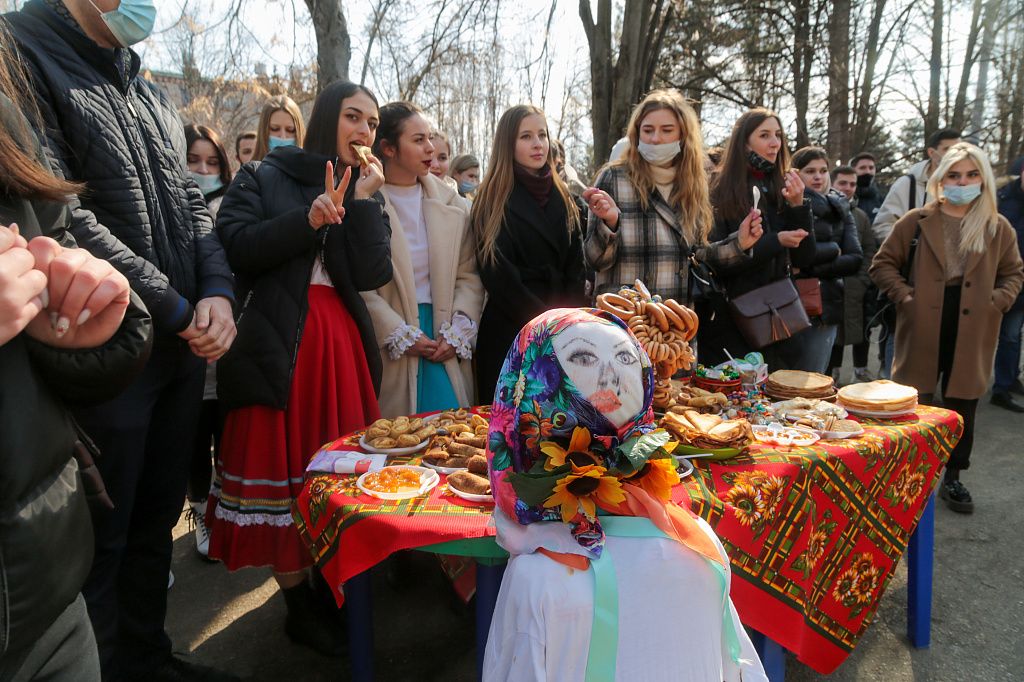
952, 268
280, 125
664, 216
528, 239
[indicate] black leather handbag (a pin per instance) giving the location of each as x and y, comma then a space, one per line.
769, 313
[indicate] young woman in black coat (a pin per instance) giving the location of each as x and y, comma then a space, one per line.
755, 156
837, 253
305, 368
528, 236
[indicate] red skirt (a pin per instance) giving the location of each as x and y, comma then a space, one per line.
264, 452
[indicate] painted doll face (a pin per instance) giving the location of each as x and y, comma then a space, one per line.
604, 365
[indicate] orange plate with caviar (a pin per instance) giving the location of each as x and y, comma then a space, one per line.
398, 482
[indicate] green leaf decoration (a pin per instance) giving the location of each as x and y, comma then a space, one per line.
533, 489
639, 449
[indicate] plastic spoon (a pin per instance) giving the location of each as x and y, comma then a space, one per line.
757, 197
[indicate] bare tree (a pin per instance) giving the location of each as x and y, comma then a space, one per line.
620, 74
334, 48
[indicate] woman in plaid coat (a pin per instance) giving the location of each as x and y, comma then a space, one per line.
661, 191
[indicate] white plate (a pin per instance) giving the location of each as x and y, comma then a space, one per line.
882, 415
775, 406
428, 481
785, 435
442, 470
408, 450
838, 435
470, 496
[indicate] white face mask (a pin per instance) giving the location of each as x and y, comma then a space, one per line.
659, 154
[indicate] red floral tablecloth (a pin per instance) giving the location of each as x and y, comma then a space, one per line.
814, 533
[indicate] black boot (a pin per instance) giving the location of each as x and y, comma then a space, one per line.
307, 622
955, 493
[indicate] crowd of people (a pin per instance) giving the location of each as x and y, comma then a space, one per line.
158, 297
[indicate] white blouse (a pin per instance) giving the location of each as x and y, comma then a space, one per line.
408, 203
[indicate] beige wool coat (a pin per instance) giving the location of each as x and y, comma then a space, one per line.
454, 287
990, 285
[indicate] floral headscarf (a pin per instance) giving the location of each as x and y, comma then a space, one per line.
553, 456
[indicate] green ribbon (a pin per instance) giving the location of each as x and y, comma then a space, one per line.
604, 636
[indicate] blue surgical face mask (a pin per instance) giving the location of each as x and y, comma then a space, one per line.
659, 154
468, 187
961, 195
208, 184
276, 142
130, 23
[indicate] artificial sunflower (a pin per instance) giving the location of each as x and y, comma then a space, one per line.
579, 452
579, 489
657, 477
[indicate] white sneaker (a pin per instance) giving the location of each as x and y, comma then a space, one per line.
197, 516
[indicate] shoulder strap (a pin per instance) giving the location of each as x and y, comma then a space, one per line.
912, 204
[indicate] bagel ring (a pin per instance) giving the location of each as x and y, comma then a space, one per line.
617, 305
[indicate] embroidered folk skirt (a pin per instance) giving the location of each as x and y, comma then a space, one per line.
264, 452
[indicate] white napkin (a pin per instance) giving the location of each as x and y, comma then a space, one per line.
346, 462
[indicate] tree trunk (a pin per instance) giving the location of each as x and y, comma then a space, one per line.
1017, 104
802, 56
931, 121
985, 57
838, 144
960, 107
333, 46
618, 85
862, 132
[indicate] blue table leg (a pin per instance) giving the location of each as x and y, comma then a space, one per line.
360, 627
488, 582
920, 553
772, 655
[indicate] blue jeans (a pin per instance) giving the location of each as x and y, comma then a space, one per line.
816, 346
1007, 363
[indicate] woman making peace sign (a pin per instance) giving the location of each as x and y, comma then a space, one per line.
305, 367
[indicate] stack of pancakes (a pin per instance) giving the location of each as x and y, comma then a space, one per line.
879, 396
708, 430
790, 383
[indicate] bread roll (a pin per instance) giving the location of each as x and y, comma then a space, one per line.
469, 483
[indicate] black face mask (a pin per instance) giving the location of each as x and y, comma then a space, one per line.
865, 180
759, 163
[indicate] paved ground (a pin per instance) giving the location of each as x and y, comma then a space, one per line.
235, 621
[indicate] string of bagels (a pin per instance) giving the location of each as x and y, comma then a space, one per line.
664, 327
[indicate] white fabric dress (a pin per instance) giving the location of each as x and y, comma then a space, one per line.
670, 612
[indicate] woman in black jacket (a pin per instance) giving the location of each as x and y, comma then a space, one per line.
46, 544
305, 368
528, 236
837, 253
755, 156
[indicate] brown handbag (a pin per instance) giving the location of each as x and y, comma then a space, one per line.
810, 294
769, 313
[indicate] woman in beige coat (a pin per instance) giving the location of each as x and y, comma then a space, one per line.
965, 273
426, 318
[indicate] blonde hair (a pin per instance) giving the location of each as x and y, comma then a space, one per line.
982, 218
277, 103
690, 188
495, 188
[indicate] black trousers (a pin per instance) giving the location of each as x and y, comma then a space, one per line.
200, 469
145, 436
65, 653
960, 458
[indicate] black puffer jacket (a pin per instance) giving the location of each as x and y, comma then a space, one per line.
837, 251
122, 136
45, 532
263, 224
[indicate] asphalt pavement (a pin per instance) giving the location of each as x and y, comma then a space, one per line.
235, 621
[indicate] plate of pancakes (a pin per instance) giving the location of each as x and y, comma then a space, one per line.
878, 399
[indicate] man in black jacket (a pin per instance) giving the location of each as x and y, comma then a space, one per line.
869, 197
121, 136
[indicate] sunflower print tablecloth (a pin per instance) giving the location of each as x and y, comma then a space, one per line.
814, 533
